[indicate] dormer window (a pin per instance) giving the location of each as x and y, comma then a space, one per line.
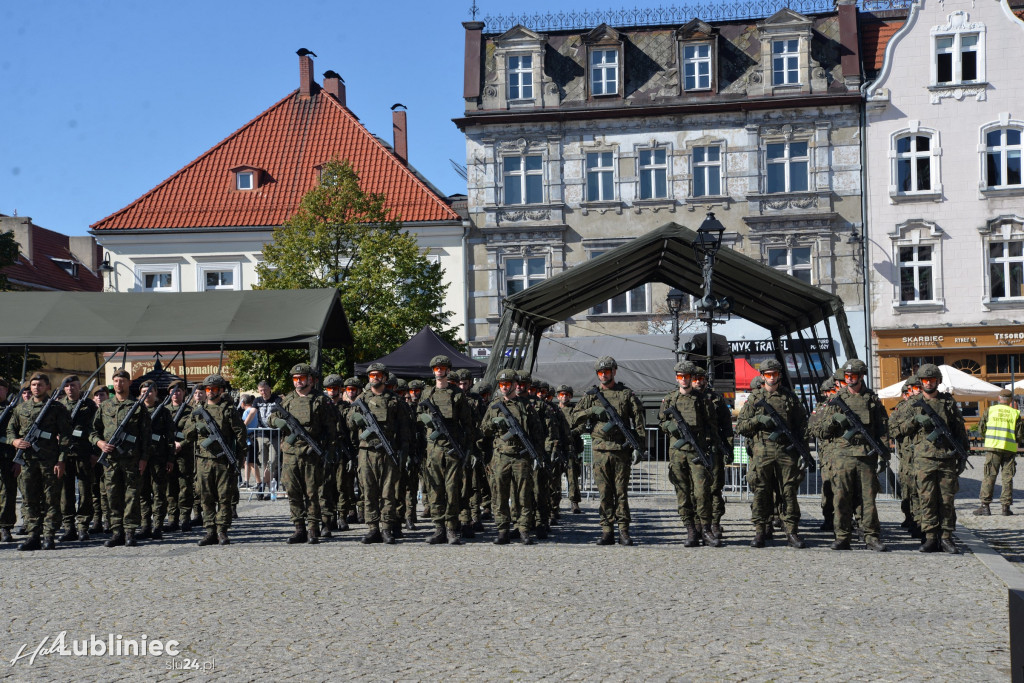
604, 61
958, 51
786, 62
246, 178
698, 43
67, 265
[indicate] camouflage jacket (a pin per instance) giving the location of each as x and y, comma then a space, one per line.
455, 407
924, 444
228, 422
865, 405
625, 403
81, 425
316, 415
393, 420
527, 418
55, 425
786, 405
699, 415
110, 414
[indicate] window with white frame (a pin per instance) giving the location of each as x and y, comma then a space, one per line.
604, 72
917, 271
1003, 158
787, 167
600, 177
697, 66
157, 277
1006, 268
707, 171
520, 77
786, 62
795, 261
636, 300
523, 177
653, 170
217, 276
957, 59
913, 164
524, 272
244, 180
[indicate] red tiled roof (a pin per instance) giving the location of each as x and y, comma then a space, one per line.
287, 142
874, 37
43, 273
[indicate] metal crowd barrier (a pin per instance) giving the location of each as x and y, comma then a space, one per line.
264, 446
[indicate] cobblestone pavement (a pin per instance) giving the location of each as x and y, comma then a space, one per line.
563, 609
1005, 535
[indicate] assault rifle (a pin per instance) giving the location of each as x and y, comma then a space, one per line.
5, 417
941, 430
177, 417
156, 411
35, 432
299, 431
215, 435
515, 430
688, 437
781, 428
879, 448
78, 433
441, 427
614, 420
121, 435
373, 428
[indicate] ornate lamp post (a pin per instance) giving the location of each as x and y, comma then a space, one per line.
709, 241
675, 304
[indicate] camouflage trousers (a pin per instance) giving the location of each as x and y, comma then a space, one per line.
346, 482
473, 484
692, 483
153, 494
573, 473
855, 484
328, 492
216, 480
997, 460
409, 491
378, 482
908, 480
555, 472
717, 485
122, 481
8, 491
444, 474
303, 475
181, 493
42, 496
611, 473
774, 477
825, 465
512, 477
77, 476
937, 484
100, 503
542, 495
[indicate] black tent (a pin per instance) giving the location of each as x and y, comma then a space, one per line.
412, 359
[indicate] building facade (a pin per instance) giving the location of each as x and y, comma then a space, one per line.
945, 194
580, 140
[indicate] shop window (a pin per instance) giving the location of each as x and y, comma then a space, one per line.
971, 367
910, 364
1004, 363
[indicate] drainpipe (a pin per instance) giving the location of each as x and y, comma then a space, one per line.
466, 274
868, 360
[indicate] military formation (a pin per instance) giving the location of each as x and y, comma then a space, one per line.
355, 453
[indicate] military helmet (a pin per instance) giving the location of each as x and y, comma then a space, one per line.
838, 376
416, 385
442, 360
771, 365
564, 389
482, 388
301, 369
333, 380
913, 381
401, 384
605, 363
757, 382
377, 367
460, 375
699, 371
392, 379
354, 382
856, 366
685, 367
827, 386
524, 377
507, 375
215, 381
929, 371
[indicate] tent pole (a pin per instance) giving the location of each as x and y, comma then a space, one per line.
220, 361
124, 356
184, 369
24, 368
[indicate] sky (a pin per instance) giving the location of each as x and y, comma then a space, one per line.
101, 101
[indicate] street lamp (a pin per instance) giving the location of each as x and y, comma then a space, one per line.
709, 241
675, 304
106, 268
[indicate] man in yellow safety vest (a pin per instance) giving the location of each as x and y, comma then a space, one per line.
1003, 430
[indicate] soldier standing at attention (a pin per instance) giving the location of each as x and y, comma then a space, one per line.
333, 387
445, 471
1003, 430
417, 456
935, 460
574, 450
772, 466
303, 469
124, 470
79, 460
216, 476
545, 439
613, 456
378, 474
100, 502
817, 428
181, 480
8, 479
723, 426
905, 450
153, 488
855, 466
350, 503
44, 464
472, 481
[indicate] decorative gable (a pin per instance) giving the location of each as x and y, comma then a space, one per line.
785, 20
603, 34
695, 29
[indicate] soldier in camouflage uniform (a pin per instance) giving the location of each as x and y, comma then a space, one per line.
401, 390
574, 449
153, 487
905, 452
303, 469
472, 481
44, 461
445, 471
613, 456
691, 479
772, 465
329, 495
541, 475
78, 462
855, 466
816, 425
935, 461
124, 471
378, 474
560, 438
1003, 431
723, 427
8, 478
417, 456
217, 478
348, 500
181, 480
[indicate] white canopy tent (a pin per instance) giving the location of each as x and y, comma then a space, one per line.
963, 386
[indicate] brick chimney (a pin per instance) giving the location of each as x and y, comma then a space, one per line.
471, 75
401, 131
849, 43
84, 249
305, 72
21, 226
334, 85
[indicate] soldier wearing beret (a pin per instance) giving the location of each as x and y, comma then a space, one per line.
181, 479
80, 458
153, 487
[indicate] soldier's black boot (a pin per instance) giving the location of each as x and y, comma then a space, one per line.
1007, 512
299, 536
478, 525
197, 518
776, 522
144, 533
396, 530
692, 541
106, 527
157, 533
466, 530
222, 538
794, 540
453, 536
186, 525
209, 539
502, 538
386, 536
5, 536
33, 542
983, 510
948, 546
372, 535
439, 536
49, 544
96, 526
759, 538
83, 534
875, 545
930, 545
541, 531
21, 530
624, 538
843, 544
716, 529
576, 509
68, 535
525, 535
325, 528
607, 538
173, 526
827, 525
115, 540
313, 535
360, 517
342, 523
234, 512
352, 517
710, 538
410, 523
486, 513
130, 539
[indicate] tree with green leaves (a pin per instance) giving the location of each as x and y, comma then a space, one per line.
8, 256
346, 238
